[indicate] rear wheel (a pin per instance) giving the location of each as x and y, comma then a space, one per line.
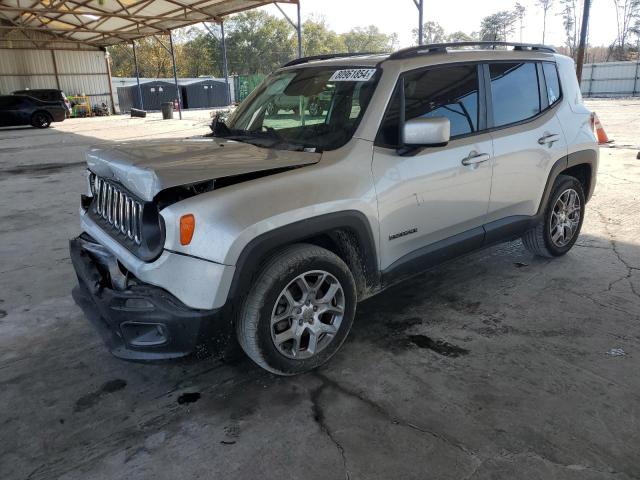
558, 230
41, 120
299, 310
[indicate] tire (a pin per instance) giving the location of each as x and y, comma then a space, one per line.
272, 109
315, 109
41, 120
136, 112
300, 322
543, 239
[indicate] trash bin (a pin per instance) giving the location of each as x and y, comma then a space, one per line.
167, 110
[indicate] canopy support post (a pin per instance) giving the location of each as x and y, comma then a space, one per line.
296, 26
175, 74
135, 63
225, 66
420, 6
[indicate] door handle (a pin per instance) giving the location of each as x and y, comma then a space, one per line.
475, 158
549, 138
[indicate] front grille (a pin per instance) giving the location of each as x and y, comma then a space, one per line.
117, 208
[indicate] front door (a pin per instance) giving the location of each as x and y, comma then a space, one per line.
436, 193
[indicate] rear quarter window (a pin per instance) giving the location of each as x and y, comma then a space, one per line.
514, 91
552, 81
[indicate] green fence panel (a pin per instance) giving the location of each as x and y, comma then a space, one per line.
245, 84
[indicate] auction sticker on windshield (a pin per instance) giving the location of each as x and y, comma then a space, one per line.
353, 75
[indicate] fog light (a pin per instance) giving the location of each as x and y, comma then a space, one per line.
139, 334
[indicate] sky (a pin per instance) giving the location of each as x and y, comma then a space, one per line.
401, 16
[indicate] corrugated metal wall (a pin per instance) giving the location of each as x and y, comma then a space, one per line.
611, 79
79, 72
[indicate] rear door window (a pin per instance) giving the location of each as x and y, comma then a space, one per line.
450, 92
514, 91
552, 81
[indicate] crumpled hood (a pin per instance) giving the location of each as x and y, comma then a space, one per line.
147, 168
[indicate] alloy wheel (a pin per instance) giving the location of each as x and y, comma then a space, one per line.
307, 314
565, 218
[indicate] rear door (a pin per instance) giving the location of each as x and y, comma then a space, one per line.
527, 136
12, 111
434, 193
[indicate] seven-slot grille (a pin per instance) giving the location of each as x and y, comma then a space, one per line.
117, 208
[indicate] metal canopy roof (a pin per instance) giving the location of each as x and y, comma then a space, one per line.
100, 23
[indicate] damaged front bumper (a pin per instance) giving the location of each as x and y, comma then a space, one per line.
139, 321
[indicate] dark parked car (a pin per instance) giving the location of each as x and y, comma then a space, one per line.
47, 95
22, 110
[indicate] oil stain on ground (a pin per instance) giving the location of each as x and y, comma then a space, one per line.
89, 400
439, 346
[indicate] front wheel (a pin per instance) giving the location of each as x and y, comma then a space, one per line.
558, 230
299, 310
315, 109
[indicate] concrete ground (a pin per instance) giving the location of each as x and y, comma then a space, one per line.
539, 378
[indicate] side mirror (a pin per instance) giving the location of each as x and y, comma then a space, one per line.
425, 132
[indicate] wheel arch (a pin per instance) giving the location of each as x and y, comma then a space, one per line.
582, 165
347, 234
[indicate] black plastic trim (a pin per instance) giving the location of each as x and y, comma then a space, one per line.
432, 48
588, 157
328, 56
508, 228
185, 330
434, 254
258, 249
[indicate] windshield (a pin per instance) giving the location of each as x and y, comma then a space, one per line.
315, 108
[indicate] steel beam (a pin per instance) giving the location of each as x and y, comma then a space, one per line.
420, 6
224, 63
135, 62
175, 75
297, 26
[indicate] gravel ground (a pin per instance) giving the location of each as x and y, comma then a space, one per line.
498, 365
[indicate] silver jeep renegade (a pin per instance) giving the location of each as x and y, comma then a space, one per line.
274, 226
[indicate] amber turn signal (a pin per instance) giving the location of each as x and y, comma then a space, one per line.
187, 227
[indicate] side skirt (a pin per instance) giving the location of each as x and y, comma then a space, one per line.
430, 256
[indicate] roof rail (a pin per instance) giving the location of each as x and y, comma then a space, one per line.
442, 48
328, 56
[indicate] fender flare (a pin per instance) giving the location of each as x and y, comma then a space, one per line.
582, 157
258, 249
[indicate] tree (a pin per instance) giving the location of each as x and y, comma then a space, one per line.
570, 23
368, 39
258, 42
317, 38
499, 26
198, 54
432, 33
153, 59
519, 11
627, 24
460, 36
545, 5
